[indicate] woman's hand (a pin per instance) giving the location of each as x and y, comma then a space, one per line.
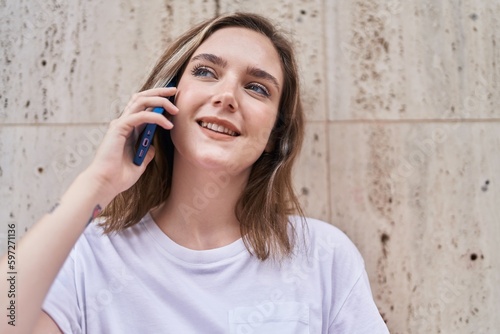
112, 165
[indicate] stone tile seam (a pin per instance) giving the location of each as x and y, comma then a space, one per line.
329, 122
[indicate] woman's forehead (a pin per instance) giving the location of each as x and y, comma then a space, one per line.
243, 45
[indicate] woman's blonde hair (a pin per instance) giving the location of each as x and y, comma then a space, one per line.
269, 197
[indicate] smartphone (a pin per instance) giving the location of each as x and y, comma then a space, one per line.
146, 136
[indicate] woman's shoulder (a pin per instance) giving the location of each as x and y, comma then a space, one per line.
94, 235
322, 238
314, 228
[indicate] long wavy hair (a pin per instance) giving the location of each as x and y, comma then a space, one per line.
269, 198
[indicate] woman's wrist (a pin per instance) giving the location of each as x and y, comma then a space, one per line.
95, 187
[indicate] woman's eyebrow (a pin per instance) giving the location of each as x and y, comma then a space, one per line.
211, 58
261, 74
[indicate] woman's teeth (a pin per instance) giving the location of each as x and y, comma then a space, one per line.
218, 128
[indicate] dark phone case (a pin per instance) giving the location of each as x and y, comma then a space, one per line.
147, 134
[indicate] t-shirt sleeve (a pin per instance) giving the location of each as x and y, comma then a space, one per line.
61, 302
359, 314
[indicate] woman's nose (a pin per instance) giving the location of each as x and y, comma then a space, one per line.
225, 97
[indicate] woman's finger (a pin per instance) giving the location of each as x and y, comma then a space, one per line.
135, 120
159, 91
149, 156
139, 101
144, 103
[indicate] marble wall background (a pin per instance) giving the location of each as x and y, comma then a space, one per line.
403, 134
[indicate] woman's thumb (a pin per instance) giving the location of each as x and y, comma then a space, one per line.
149, 156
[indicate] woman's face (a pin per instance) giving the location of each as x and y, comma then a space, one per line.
228, 98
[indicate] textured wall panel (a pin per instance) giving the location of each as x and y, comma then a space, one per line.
413, 60
35, 172
419, 200
80, 61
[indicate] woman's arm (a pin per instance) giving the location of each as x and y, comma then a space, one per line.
42, 251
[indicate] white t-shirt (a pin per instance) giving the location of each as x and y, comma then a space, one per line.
140, 281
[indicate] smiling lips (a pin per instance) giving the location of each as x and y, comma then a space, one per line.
218, 128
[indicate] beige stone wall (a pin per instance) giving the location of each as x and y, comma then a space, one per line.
403, 134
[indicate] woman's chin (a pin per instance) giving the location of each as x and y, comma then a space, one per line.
209, 158
213, 164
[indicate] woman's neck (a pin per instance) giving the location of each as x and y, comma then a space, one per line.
200, 210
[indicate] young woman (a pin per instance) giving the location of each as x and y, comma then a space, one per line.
207, 235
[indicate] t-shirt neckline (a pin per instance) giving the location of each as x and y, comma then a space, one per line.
190, 255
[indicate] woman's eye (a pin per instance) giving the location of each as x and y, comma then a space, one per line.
202, 71
259, 89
